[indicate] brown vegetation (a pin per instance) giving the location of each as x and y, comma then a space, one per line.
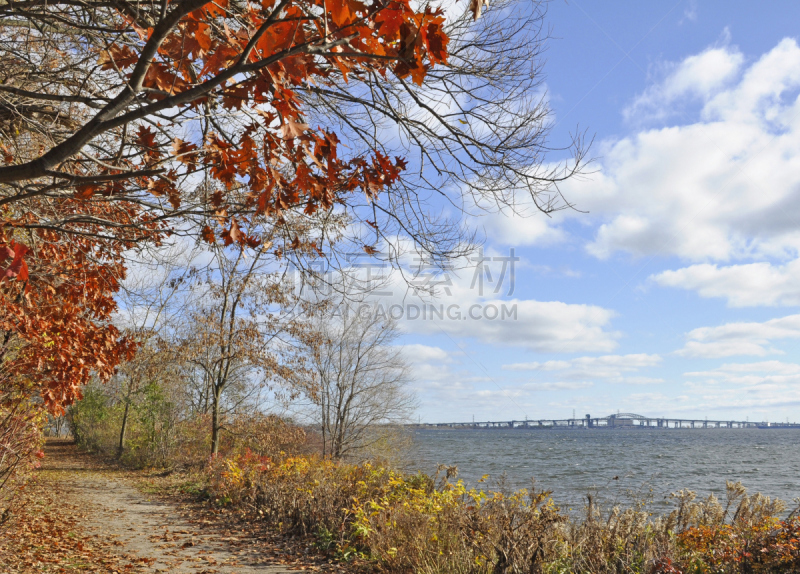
268, 473
403, 523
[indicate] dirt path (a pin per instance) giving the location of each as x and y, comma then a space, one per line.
116, 528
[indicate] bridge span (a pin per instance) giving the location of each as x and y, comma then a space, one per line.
619, 420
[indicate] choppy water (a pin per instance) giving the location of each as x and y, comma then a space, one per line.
572, 463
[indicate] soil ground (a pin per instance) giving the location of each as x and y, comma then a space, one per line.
80, 514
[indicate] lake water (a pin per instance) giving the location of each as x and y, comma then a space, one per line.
572, 463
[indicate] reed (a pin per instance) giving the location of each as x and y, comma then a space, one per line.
400, 523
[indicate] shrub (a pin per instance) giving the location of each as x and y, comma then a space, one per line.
88, 419
401, 522
745, 536
152, 438
162, 433
429, 525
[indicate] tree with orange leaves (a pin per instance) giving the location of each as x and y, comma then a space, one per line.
121, 122
146, 117
135, 102
56, 322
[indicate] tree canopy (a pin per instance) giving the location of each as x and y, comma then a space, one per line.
250, 124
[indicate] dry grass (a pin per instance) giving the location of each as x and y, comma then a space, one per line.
431, 525
400, 523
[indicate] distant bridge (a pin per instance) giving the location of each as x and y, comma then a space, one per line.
619, 420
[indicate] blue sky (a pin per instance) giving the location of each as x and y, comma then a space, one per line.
678, 292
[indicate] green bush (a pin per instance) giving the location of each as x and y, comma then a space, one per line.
89, 419
162, 433
151, 438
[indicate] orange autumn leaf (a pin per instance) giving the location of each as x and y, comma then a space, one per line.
208, 235
117, 56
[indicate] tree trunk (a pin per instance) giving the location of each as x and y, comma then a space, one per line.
124, 428
338, 441
215, 425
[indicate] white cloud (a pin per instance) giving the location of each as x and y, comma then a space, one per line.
761, 401
638, 380
603, 366
424, 353
729, 370
763, 374
611, 368
763, 385
526, 227
689, 13
560, 386
720, 187
431, 369
700, 76
465, 309
746, 285
447, 385
734, 339
523, 391
544, 326
546, 366
759, 95
717, 349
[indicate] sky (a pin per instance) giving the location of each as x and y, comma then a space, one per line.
673, 287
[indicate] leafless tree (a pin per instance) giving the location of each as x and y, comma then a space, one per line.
152, 300
477, 132
358, 381
241, 332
